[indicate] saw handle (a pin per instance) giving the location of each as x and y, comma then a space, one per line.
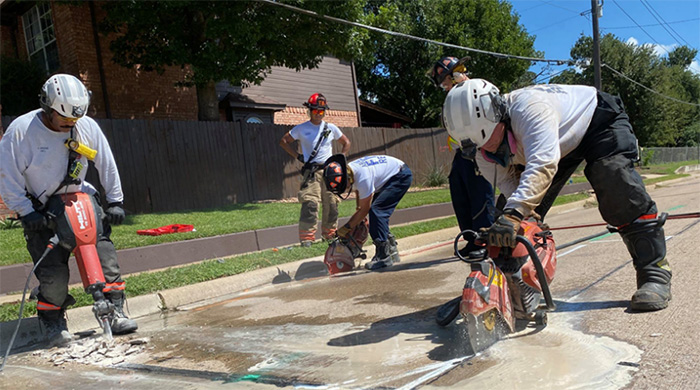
540, 272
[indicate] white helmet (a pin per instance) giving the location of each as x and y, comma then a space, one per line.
65, 94
472, 110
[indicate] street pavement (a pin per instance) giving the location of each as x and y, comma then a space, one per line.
377, 330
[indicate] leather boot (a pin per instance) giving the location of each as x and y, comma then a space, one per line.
382, 256
394, 249
646, 243
121, 324
55, 327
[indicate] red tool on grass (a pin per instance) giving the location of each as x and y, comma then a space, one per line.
342, 252
507, 284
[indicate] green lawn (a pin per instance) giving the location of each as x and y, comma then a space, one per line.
208, 223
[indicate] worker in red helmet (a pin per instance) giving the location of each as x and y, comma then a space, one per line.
472, 195
379, 183
316, 137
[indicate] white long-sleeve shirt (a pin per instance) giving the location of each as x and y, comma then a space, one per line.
548, 122
34, 159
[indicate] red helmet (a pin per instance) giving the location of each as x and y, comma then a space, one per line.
317, 101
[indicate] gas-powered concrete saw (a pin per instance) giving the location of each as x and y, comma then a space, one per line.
507, 284
342, 252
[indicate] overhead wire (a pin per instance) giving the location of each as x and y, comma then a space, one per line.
653, 11
647, 88
640, 27
569, 62
412, 37
652, 25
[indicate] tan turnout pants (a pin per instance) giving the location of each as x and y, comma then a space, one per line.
310, 196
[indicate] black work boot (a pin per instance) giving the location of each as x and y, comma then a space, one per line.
55, 327
472, 251
121, 324
394, 249
646, 243
382, 256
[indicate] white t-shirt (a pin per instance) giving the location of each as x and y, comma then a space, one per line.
34, 158
372, 172
307, 133
549, 122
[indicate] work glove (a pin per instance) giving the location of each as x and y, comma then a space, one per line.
344, 230
502, 233
300, 157
34, 221
115, 213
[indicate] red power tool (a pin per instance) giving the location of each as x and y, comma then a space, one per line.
75, 219
507, 284
342, 252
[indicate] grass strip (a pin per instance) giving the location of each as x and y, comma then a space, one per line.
150, 282
208, 223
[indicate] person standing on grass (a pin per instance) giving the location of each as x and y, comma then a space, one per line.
471, 194
33, 161
380, 182
549, 130
316, 137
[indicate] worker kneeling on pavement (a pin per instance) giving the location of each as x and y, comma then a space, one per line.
33, 161
379, 182
531, 141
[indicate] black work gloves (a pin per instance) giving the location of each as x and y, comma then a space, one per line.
115, 213
34, 221
502, 233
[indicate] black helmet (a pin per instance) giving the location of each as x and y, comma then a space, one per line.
335, 174
446, 66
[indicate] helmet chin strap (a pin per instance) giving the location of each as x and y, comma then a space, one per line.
504, 152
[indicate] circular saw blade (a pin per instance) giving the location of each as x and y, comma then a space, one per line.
483, 330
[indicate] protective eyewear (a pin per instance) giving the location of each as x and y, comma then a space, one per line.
318, 111
65, 118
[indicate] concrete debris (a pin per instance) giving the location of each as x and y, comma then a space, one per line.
95, 351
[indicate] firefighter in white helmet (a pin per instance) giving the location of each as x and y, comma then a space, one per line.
33, 161
530, 142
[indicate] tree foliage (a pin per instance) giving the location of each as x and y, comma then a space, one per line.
392, 70
238, 41
657, 121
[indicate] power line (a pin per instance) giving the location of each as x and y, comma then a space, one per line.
498, 55
652, 25
559, 22
550, 76
652, 11
407, 36
558, 6
647, 88
642, 28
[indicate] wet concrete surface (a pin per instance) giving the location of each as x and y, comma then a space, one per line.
377, 330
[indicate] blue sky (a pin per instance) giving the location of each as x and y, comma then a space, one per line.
558, 25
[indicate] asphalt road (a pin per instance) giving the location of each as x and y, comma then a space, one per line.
377, 330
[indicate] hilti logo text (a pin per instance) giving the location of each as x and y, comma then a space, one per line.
81, 215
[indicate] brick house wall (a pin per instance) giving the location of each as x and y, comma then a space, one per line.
296, 115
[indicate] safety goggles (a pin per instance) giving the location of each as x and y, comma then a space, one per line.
318, 111
65, 118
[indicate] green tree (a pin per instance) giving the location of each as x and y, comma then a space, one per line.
238, 41
392, 70
20, 83
657, 121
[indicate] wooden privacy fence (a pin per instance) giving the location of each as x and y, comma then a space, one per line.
179, 165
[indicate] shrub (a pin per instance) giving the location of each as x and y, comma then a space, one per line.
436, 177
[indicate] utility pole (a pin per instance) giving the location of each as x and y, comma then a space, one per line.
596, 45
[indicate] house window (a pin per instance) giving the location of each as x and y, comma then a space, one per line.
254, 120
40, 36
